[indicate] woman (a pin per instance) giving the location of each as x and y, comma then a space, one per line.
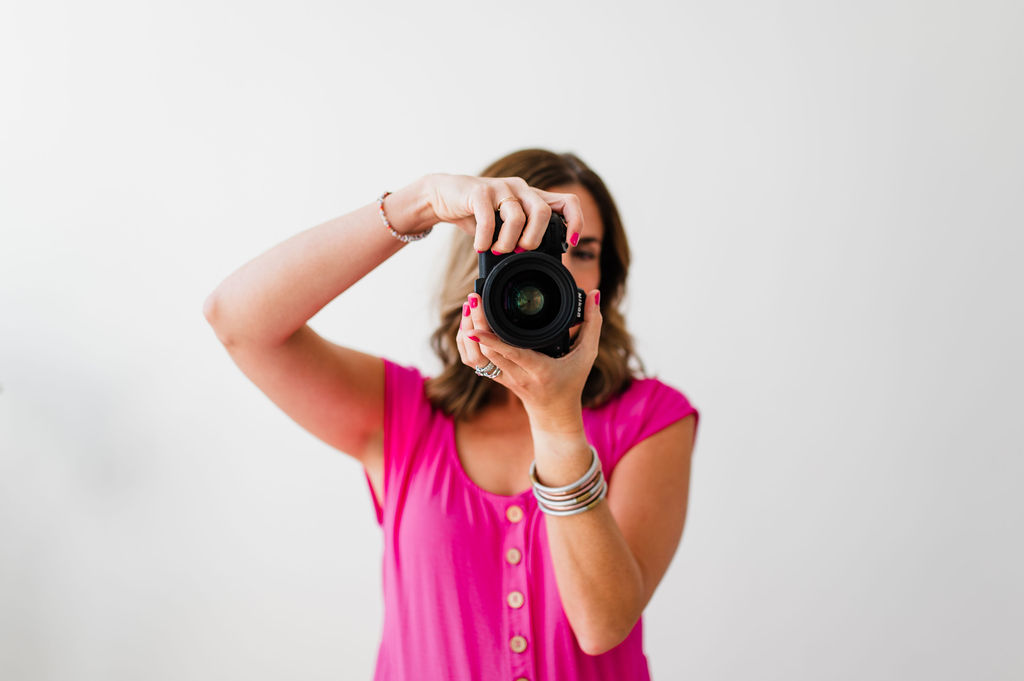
510, 553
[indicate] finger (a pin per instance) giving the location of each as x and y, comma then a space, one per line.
460, 343
478, 323
568, 205
590, 330
511, 359
513, 219
538, 215
509, 369
474, 357
482, 200
477, 318
490, 346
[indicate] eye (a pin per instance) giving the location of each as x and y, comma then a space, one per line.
583, 255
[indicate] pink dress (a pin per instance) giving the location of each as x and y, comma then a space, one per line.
469, 588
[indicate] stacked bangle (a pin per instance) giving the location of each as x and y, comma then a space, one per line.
575, 497
404, 238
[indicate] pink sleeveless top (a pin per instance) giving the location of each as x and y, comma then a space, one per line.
453, 552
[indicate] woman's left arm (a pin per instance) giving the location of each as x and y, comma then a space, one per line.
609, 560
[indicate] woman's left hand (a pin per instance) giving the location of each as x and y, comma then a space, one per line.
551, 389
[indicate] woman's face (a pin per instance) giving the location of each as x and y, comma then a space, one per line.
584, 260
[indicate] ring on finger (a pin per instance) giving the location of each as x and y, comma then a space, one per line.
490, 370
490, 366
507, 198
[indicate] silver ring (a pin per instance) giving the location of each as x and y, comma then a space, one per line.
486, 369
490, 370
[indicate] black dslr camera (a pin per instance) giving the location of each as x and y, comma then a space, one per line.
530, 299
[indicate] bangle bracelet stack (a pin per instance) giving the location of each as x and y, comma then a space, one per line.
404, 238
575, 497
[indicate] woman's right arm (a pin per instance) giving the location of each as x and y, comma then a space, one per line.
260, 311
259, 314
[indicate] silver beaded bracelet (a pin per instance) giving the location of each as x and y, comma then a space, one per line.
404, 238
575, 497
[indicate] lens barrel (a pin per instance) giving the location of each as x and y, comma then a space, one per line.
530, 299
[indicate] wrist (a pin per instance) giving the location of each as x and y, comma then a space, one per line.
559, 444
552, 425
560, 458
408, 209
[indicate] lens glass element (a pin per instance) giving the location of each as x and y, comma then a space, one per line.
530, 299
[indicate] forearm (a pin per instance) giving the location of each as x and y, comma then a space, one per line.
598, 578
269, 298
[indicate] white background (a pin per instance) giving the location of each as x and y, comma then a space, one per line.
824, 203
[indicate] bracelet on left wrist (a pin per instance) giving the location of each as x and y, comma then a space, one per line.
575, 497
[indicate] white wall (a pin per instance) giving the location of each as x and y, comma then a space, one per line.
824, 201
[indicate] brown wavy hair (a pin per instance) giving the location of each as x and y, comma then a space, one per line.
457, 390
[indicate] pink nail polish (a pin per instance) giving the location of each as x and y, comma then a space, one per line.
472, 302
575, 239
520, 249
597, 298
465, 309
473, 338
495, 252
482, 251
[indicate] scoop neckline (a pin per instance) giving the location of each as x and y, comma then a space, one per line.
453, 453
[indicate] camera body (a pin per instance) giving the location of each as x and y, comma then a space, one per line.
530, 299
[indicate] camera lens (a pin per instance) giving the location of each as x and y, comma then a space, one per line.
530, 300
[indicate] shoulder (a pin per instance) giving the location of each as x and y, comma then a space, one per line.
403, 380
644, 395
649, 393
405, 385
406, 407
645, 407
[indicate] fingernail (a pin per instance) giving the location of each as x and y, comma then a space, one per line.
575, 239
597, 298
473, 338
483, 250
465, 309
495, 252
472, 302
520, 249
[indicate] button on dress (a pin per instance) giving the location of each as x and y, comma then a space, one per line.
469, 587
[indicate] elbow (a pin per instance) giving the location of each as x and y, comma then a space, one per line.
594, 650
601, 641
609, 626
211, 311
599, 646
210, 308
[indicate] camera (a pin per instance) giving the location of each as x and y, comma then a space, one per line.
530, 299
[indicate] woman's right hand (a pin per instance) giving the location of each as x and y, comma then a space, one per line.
470, 202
